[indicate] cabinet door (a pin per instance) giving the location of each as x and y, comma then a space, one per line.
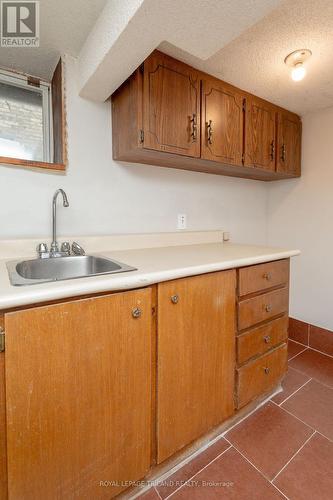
78, 389
3, 443
260, 118
196, 358
289, 143
221, 123
171, 106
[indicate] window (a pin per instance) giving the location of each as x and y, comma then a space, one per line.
25, 118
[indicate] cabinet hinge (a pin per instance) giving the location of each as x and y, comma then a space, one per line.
244, 104
243, 158
2, 339
141, 136
142, 67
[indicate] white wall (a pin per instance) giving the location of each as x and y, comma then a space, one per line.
300, 215
108, 197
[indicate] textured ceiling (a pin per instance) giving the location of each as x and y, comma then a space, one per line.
129, 30
64, 26
254, 60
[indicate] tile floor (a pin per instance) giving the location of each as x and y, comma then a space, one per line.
282, 450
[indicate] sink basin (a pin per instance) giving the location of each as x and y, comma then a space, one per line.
35, 271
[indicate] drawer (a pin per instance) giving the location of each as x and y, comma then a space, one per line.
258, 376
263, 276
263, 307
261, 339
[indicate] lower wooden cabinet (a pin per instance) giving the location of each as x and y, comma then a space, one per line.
196, 358
94, 392
3, 443
258, 376
261, 339
262, 317
78, 390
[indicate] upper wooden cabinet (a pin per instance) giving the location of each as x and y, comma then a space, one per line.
171, 106
289, 143
260, 133
171, 115
222, 122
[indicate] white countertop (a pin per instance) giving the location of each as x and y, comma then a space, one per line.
153, 265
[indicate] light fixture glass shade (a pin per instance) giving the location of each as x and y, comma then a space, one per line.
298, 72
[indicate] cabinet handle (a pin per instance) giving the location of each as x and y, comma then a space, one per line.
136, 312
283, 152
267, 370
268, 276
267, 339
193, 121
272, 149
175, 299
268, 308
209, 132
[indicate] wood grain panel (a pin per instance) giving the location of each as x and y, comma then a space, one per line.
259, 340
78, 382
263, 276
260, 118
127, 125
59, 115
262, 308
221, 123
3, 443
196, 358
171, 99
289, 143
260, 375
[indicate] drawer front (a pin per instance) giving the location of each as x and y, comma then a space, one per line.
263, 307
257, 377
261, 339
263, 276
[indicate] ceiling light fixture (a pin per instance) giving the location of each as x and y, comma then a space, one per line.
296, 61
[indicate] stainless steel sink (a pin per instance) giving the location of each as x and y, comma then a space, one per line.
30, 272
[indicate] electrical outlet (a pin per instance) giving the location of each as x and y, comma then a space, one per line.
181, 221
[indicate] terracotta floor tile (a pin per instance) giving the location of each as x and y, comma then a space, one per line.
149, 495
315, 365
228, 477
299, 331
309, 476
269, 438
173, 482
321, 339
291, 382
294, 348
313, 404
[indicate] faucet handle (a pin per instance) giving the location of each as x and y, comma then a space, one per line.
66, 248
77, 249
42, 249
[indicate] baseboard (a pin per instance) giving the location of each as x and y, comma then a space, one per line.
312, 336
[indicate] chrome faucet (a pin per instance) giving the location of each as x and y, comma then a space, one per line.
54, 244
65, 250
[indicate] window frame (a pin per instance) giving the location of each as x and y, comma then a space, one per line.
44, 88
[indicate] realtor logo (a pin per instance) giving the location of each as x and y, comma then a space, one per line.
19, 23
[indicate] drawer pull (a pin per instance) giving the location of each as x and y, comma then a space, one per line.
136, 312
267, 370
268, 276
267, 339
175, 299
268, 308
